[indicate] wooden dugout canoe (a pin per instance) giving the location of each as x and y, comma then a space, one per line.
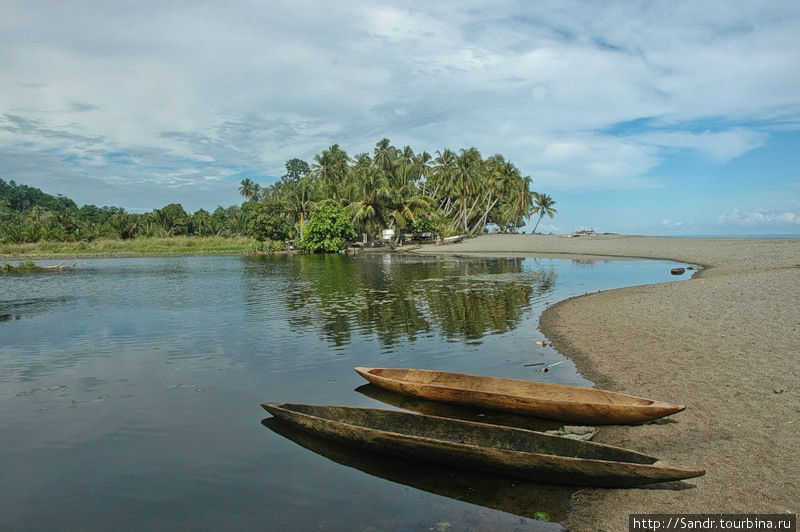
561, 402
519, 497
500, 450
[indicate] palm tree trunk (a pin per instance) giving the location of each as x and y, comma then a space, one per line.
447, 206
482, 222
464, 209
302, 224
541, 215
473, 206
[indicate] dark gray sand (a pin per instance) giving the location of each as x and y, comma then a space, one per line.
725, 343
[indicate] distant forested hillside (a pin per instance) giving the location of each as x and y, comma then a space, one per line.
22, 197
27, 214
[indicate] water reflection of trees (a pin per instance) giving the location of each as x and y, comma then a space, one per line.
399, 298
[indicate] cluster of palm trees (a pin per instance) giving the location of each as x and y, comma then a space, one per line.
450, 193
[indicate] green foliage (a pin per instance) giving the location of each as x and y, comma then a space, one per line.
230, 220
175, 245
329, 230
542, 204
173, 219
250, 190
452, 193
28, 215
423, 224
266, 220
20, 197
23, 267
459, 192
269, 246
202, 224
296, 169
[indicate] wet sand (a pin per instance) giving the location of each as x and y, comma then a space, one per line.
725, 343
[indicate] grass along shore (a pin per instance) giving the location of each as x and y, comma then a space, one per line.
177, 245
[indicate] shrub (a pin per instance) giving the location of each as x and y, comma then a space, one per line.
329, 230
22, 267
423, 224
267, 221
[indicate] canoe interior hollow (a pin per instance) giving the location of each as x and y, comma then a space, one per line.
505, 386
478, 434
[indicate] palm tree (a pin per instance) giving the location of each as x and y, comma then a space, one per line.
442, 176
404, 207
385, 155
249, 189
331, 169
371, 194
543, 204
405, 201
256, 192
246, 187
201, 223
423, 166
300, 197
466, 179
158, 223
520, 206
501, 176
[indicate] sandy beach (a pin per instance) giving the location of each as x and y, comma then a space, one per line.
725, 343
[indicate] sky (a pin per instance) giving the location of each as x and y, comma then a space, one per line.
657, 117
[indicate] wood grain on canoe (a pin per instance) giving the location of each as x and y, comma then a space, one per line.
561, 402
500, 450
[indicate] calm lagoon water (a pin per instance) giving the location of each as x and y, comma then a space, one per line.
130, 388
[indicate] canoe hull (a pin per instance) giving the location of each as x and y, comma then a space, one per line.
532, 466
586, 405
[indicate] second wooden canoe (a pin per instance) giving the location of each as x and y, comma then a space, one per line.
574, 404
504, 451
519, 497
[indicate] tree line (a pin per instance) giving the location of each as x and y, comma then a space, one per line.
447, 193
29, 215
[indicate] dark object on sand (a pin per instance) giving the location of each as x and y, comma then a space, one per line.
500, 450
574, 404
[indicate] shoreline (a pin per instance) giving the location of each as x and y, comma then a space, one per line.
119, 255
726, 343
137, 247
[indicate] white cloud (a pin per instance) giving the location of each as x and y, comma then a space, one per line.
721, 146
198, 89
758, 217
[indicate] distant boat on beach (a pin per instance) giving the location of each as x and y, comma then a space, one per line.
453, 239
